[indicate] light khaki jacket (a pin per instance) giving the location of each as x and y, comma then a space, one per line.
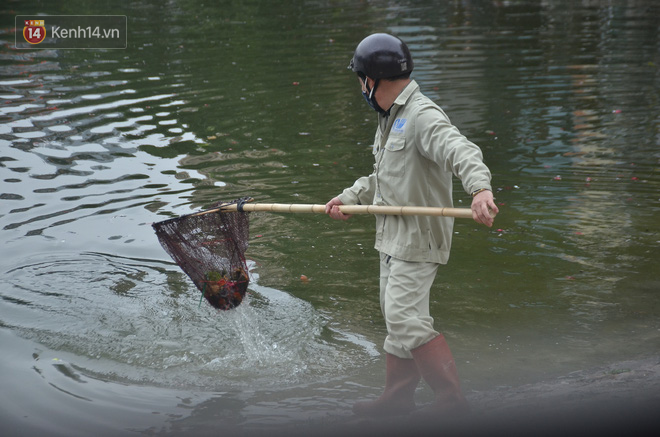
417, 150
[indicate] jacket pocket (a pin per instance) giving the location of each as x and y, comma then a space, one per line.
394, 162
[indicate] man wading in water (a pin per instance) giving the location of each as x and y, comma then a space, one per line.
417, 150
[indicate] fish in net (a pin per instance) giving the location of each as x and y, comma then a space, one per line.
209, 246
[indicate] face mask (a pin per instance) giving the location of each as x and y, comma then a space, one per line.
370, 97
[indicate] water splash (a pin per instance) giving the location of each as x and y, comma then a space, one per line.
138, 320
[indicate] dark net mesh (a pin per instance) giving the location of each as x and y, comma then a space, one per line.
209, 247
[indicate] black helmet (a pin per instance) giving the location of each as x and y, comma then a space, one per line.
381, 56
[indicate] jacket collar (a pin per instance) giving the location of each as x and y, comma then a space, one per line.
401, 99
405, 94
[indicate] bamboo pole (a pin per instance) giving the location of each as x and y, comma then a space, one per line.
347, 209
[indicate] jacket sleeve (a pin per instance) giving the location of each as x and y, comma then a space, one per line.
361, 193
441, 142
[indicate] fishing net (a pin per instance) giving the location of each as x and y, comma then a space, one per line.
209, 246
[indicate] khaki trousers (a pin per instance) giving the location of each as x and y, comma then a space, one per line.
404, 300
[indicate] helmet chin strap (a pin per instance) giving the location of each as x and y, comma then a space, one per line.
370, 96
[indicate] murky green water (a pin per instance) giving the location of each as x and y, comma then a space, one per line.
101, 329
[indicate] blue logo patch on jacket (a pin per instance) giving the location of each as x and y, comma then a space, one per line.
398, 125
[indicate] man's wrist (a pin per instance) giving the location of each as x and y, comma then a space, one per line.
479, 190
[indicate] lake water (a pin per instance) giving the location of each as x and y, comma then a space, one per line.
101, 332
